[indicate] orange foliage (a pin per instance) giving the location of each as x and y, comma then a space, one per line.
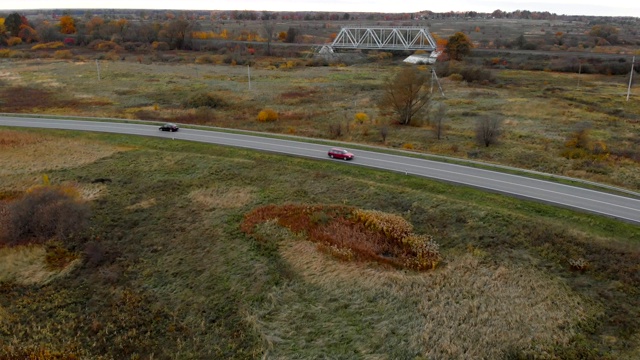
67, 25
267, 115
441, 44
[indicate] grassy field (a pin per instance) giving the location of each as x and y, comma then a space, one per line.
166, 271
540, 111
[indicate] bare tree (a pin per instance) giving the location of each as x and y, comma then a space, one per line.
406, 94
488, 130
269, 30
45, 213
438, 117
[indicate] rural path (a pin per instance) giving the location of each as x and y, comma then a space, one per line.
579, 198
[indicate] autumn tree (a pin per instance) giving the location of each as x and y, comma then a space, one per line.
177, 33
67, 25
12, 23
28, 34
94, 27
458, 46
3, 29
406, 94
488, 130
291, 35
47, 32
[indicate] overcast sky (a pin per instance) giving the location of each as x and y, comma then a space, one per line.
568, 7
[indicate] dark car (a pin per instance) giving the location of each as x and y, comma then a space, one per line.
169, 127
337, 153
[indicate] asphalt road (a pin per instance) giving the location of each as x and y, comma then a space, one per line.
615, 206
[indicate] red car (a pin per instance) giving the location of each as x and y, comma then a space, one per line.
337, 153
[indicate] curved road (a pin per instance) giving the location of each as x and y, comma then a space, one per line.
615, 206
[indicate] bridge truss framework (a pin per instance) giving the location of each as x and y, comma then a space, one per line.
383, 38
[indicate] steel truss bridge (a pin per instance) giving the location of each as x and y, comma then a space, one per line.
382, 38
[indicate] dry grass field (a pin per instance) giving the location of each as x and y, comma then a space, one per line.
171, 274
540, 111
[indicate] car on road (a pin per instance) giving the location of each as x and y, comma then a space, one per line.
337, 153
169, 127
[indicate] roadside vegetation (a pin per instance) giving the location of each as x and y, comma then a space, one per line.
225, 253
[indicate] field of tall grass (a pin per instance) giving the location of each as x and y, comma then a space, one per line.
541, 112
171, 266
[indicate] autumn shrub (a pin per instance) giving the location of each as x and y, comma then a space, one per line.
455, 77
63, 54
407, 146
5, 53
50, 45
46, 212
394, 227
103, 45
361, 118
350, 234
13, 41
425, 253
267, 115
205, 59
209, 100
160, 46
579, 264
335, 130
57, 256
201, 115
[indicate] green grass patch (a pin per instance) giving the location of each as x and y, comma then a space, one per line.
167, 271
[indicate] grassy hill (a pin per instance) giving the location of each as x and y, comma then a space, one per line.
167, 269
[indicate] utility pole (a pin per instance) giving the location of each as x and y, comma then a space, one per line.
579, 72
434, 78
249, 75
633, 60
98, 66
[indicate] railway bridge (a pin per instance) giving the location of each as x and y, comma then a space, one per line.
382, 38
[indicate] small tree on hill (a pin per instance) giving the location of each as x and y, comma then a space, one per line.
458, 46
406, 94
488, 130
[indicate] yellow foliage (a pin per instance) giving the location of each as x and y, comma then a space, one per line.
394, 227
63, 54
13, 41
6, 53
267, 115
408, 146
68, 190
67, 25
426, 252
361, 118
49, 45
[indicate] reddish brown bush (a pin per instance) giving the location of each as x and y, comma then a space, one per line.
44, 213
351, 234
